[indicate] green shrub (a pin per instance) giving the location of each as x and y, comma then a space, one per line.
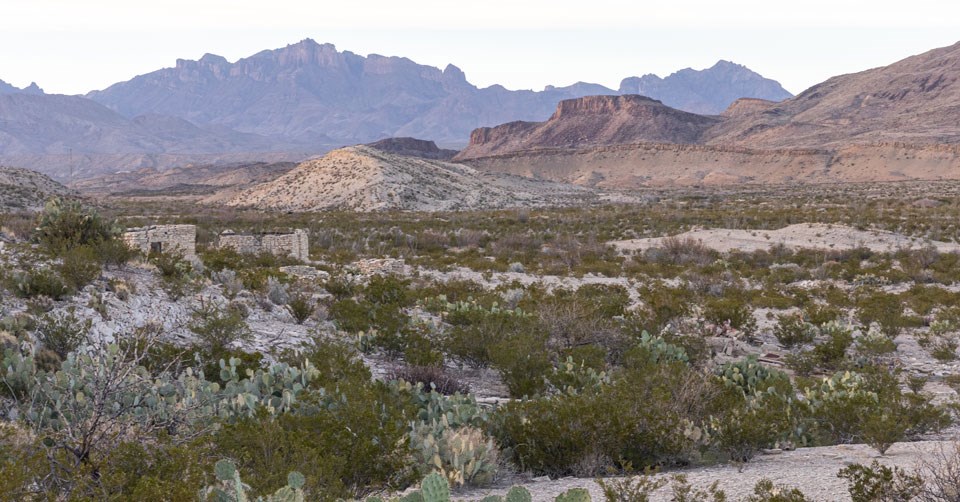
161, 470
884, 309
879, 483
759, 412
67, 224
523, 363
342, 287
766, 491
351, 316
217, 327
662, 305
40, 281
721, 311
870, 407
636, 489
874, 344
62, 333
301, 307
792, 330
233, 488
829, 354
820, 314
605, 301
642, 419
80, 266
476, 332
387, 290
175, 273
419, 350
114, 252
346, 446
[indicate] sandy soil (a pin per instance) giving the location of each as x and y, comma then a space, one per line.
802, 235
813, 470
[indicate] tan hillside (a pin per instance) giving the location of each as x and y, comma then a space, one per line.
916, 100
657, 164
208, 182
362, 178
25, 190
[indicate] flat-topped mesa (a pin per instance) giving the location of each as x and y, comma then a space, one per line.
746, 106
412, 147
592, 121
629, 103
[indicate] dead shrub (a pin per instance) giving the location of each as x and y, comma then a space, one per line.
435, 377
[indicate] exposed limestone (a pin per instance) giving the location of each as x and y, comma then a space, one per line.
384, 266
798, 236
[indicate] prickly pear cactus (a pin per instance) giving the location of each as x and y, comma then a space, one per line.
435, 488
574, 495
232, 489
518, 494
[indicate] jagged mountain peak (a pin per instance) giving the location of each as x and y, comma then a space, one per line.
709, 91
33, 88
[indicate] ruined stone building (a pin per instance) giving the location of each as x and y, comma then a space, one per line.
163, 239
294, 244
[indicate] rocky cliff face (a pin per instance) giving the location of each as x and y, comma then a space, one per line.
592, 121
708, 91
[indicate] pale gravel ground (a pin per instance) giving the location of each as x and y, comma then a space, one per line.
801, 235
813, 470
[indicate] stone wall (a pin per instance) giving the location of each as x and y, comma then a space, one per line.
163, 238
294, 244
241, 243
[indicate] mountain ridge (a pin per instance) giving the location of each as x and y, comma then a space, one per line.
326, 84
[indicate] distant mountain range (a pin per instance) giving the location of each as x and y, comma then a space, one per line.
311, 93
306, 98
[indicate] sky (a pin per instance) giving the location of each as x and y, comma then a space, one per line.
72, 47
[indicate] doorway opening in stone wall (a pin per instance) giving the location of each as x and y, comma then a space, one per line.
156, 247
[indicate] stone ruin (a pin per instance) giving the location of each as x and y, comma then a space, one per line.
294, 244
163, 239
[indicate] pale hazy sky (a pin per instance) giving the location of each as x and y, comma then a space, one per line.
73, 46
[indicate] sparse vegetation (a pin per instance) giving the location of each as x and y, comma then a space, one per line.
676, 356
